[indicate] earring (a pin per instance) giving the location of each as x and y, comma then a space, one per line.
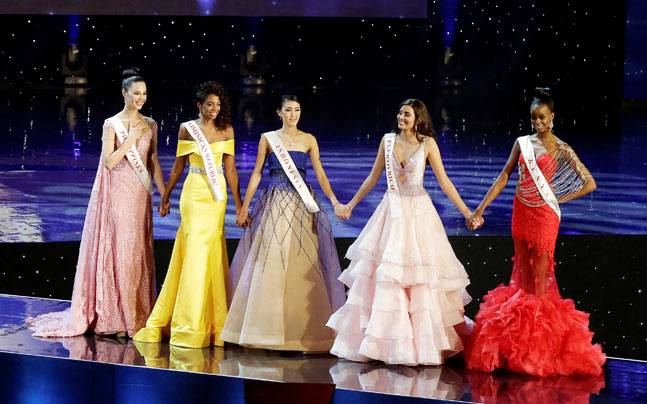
550, 125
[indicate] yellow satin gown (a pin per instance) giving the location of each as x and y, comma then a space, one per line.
193, 302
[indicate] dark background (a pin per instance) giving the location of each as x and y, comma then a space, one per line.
353, 70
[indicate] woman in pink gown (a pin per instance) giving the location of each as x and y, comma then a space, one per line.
407, 288
114, 285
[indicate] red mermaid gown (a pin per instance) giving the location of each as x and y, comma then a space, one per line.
526, 326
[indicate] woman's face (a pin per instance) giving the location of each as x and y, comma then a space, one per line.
406, 118
541, 118
135, 95
210, 108
290, 113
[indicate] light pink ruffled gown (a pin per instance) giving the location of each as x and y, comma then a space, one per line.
407, 288
114, 286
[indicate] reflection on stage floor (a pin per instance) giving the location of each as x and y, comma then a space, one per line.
623, 379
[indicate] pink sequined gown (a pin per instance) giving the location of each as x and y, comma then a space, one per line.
114, 285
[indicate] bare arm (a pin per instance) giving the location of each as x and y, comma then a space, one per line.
436, 163
231, 174
111, 156
589, 186
156, 168
317, 166
372, 179
501, 181
589, 182
176, 173
254, 180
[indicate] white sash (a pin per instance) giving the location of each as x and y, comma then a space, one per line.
392, 191
132, 155
535, 172
291, 170
211, 170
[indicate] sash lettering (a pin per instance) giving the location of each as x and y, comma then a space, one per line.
291, 170
209, 161
132, 155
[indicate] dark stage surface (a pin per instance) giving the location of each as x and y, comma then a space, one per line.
602, 274
623, 381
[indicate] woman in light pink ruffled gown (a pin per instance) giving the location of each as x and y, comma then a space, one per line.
407, 288
114, 286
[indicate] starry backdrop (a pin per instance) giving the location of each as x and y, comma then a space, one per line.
474, 62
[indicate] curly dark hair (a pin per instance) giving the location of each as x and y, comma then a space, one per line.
423, 125
223, 120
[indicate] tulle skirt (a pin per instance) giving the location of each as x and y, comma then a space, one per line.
407, 289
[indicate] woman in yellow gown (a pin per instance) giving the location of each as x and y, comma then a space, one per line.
192, 305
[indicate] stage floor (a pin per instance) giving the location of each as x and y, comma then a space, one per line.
623, 381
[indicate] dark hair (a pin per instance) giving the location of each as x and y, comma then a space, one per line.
130, 76
423, 125
542, 96
285, 98
223, 120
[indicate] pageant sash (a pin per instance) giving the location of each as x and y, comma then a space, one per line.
392, 191
535, 172
132, 155
211, 169
291, 170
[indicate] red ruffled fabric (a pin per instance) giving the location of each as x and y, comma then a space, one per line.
502, 389
536, 335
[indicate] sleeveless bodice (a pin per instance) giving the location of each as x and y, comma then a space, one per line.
277, 174
411, 177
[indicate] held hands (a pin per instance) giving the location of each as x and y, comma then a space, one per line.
242, 217
475, 220
164, 207
342, 211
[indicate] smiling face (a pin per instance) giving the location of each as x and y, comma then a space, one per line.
290, 113
210, 107
541, 118
135, 95
406, 118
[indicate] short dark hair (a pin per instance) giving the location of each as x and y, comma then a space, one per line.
287, 97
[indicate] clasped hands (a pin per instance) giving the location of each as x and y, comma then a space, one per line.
342, 211
474, 220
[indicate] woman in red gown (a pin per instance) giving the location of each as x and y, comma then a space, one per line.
526, 326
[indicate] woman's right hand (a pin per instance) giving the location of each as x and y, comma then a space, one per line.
475, 220
164, 207
343, 211
242, 218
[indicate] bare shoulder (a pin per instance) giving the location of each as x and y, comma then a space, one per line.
229, 132
183, 133
430, 143
310, 138
150, 122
